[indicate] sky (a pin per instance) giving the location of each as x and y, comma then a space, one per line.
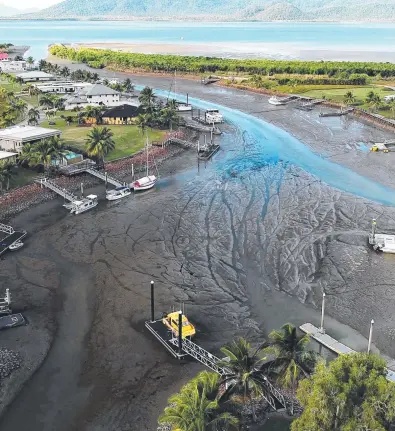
24, 4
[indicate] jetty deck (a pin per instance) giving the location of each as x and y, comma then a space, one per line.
332, 344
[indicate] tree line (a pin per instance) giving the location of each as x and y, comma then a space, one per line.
352, 393
99, 58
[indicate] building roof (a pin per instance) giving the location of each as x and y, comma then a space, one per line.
34, 74
6, 155
27, 133
100, 90
121, 111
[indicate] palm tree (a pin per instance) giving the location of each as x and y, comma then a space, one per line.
127, 86
47, 101
99, 142
65, 72
375, 102
94, 112
42, 64
5, 174
196, 408
168, 117
147, 99
30, 60
143, 121
245, 371
293, 361
43, 152
370, 96
34, 116
349, 98
392, 107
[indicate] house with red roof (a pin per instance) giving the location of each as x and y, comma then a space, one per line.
3, 56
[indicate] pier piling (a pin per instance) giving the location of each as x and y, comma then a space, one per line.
180, 333
152, 302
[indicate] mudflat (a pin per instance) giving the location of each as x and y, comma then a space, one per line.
247, 244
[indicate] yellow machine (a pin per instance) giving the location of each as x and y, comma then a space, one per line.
171, 321
374, 148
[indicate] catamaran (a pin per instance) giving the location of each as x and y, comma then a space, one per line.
144, 183
118, 193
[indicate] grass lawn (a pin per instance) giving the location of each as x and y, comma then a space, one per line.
337, 94
21, 177
128, 139
16, 88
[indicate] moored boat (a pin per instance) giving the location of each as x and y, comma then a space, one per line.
144, 183
85, 204
118, 193
276, 101
171, 321
15, 246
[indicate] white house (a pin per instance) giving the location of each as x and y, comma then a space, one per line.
35, 76
61, 87
12, 66
95, 95
389, 97
99, 94
14, 138
6, 156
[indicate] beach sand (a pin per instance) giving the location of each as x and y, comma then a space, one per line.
244, 255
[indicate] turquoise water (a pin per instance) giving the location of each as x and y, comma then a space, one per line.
279, 39
273, 145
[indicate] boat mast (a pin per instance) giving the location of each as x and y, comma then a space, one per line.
147, 155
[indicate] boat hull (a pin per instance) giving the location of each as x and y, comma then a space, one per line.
116, 198
83, 210
145, 183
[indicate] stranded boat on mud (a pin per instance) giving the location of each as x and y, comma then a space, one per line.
276, 101
80, 206
144, 183
171, 321
118, 193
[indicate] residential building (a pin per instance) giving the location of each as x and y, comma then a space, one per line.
12, 66
14, 138
95, 95
3, 56
99, 94
62, 87
35, 76
6, 156
123, 114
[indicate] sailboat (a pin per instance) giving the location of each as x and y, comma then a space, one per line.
144, 183
181, 107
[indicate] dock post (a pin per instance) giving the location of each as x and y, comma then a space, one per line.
370, 335
322, 330
180, 333
373, 229
7, 297
82, 189
105, 180
187, 99
132, 171
152, 302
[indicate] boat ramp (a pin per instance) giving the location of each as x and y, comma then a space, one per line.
180, 347
9, 237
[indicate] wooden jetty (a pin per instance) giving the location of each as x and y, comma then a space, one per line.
10, 236
332, 344
336, 113
208, 152
180, 347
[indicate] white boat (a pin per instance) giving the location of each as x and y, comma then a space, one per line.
144, 183
118, 193
15, 246
85, 204
184, 107
147, 182
213, 116
276, 101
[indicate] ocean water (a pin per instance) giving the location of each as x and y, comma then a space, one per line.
249, 39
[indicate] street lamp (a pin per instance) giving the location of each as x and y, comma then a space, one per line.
322, 330
370, 335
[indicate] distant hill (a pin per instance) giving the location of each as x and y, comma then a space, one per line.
261, 10
6, 11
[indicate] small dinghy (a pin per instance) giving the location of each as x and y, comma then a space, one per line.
15, 246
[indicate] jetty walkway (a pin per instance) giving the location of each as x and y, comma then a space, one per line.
332, 344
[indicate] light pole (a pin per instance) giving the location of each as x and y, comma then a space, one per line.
370, 335
322, 330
